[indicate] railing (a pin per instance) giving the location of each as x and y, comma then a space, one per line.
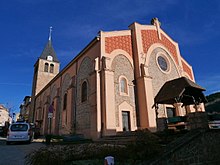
176, 119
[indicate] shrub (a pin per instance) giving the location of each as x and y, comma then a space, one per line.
62, 154
45, 156
145, 147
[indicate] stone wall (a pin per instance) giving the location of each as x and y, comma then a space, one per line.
159, 77
202, 149
122, 67
83, 111
197, 120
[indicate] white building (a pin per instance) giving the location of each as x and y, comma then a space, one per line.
4, 115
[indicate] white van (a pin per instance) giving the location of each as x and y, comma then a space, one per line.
19, 132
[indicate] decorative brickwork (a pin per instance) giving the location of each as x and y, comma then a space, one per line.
118, 42
187, 69
150, 37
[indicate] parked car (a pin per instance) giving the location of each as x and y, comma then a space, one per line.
214, 121
19, 132
214, 124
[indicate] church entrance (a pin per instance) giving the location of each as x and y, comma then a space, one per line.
126, 121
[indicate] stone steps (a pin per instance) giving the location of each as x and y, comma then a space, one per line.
121, 138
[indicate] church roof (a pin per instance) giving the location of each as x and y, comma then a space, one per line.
49, 51
180, 90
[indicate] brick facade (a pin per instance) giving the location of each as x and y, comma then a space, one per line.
187, 69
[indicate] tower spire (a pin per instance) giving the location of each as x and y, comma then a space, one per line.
50, 33
48, 50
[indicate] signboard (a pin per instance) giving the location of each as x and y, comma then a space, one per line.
50, 115
51, 109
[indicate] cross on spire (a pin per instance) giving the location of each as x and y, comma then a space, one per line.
50, 33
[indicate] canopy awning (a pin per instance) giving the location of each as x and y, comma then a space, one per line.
180, 90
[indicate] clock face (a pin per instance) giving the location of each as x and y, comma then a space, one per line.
162, 63
49, 58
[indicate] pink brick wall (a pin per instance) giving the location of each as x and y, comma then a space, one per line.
187, 69
150, 37
118, 42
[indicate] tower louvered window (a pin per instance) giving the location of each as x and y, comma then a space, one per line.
46, 66
51, 68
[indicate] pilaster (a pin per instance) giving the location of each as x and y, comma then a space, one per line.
147, 114
109, 98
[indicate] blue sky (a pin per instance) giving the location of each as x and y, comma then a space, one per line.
24, 29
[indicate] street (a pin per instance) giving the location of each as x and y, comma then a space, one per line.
14, 154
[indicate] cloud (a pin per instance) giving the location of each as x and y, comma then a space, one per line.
122, 9
30, 53
14, 84
210, 82
79, 30
63, 53
194, 27
33, 2
111, 15
192, 35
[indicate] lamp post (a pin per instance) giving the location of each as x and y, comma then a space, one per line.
13, 117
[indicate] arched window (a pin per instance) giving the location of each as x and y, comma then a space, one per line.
46, 66
84, 91
51, 68
64, 101
123, 86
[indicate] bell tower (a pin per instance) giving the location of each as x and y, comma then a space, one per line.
46, 67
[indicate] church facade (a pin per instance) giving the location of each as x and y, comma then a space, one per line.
109, 87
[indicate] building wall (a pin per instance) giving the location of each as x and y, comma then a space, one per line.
4, 115
83, 112
42, 78
25, 109
76, 117
130, 54
148, 41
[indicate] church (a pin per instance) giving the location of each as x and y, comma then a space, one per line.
111, 85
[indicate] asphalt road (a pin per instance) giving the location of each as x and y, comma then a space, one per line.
14, 154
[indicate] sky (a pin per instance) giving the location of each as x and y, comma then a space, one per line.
24, 30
